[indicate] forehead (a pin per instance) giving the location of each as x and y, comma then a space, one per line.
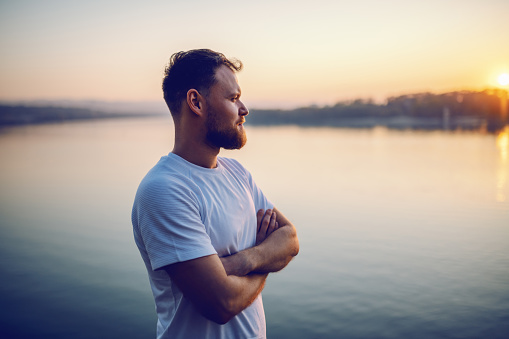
226, 80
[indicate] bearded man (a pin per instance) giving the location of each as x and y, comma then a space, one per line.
207, 234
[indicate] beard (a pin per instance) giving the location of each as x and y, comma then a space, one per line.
227, 137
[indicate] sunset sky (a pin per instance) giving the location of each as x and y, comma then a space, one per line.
294, 52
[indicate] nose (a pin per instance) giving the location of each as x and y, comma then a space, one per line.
243, 111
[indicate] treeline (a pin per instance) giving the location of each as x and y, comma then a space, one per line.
486, 109
453, 110
11, 115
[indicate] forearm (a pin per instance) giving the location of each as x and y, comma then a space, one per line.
277, 244
234, 295
240, 292
216, 295
276, 251
271, 255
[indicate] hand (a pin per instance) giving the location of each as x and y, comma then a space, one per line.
266, 221
273, 250
239, 264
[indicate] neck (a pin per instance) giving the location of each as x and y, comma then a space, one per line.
195, 151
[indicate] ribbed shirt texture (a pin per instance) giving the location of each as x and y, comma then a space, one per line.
183, 211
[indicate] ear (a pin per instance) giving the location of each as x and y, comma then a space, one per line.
196, 102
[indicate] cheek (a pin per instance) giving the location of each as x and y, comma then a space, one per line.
231, 111
227, 112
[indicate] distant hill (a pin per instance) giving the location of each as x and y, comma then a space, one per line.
487, 109
11, 115
453, 110
149, 107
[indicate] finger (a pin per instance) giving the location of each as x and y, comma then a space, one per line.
259, 216
272, 224
265, 222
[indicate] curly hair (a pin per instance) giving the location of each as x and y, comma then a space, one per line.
194, 69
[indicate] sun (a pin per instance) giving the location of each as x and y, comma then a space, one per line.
503, 79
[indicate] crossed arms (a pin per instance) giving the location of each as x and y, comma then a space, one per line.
221, 288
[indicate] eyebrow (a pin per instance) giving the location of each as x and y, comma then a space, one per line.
236, 92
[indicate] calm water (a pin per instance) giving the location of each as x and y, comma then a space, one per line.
403, 234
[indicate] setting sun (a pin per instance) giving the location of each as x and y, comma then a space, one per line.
503, 79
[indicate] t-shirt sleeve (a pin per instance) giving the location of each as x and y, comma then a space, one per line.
259, 199
170, 224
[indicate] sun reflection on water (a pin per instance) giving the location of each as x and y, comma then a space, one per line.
503, 149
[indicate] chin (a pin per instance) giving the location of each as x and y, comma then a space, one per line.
238, 144
232, 139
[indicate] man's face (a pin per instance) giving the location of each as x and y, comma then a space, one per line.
225, 112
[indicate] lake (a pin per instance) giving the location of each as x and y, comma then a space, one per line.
404, 234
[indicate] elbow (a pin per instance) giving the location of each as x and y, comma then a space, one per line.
296, 248
227, 310
219, 316
221, 319
222, 312
295, 242
292, 241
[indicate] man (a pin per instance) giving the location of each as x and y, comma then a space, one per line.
207, 234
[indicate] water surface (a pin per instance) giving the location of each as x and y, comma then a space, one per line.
403, 234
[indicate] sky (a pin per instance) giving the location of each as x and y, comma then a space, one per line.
295, 53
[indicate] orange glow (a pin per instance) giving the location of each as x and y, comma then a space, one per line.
503, 148
503, 143
503, 79
295, 52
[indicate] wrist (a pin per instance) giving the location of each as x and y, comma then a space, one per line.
240, 263
255, 257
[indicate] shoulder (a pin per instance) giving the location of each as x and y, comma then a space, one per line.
237, 170
232, 165
167, 178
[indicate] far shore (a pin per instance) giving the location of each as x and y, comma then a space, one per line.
485, 110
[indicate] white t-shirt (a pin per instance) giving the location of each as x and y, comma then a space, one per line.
183, 211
